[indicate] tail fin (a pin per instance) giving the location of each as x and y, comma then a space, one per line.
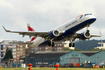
31, 29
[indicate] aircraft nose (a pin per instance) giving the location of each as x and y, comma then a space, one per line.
93, 18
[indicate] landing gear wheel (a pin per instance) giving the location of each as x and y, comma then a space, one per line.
71, 45
51, 44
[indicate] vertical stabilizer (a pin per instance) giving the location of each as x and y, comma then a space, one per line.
30, 28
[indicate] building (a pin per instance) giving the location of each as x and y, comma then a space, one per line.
18, 51
100, 47
44, 58
80, 57
56, 47
65, 57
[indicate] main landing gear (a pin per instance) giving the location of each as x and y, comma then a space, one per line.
71, 45
50, 43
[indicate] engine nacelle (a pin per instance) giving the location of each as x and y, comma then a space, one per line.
85, 35
54, 33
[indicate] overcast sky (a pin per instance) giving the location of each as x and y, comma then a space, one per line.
45, 15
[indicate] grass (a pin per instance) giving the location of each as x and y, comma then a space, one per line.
53, 69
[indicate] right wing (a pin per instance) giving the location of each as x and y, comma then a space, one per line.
77, 35
41, 34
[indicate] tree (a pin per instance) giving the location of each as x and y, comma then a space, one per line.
8, 55
67, 49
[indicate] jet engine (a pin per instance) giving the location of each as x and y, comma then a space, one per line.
54, 33
85, 35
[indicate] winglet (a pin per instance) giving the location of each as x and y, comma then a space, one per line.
100, 33
6, 29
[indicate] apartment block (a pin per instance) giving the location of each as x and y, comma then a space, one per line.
18, 51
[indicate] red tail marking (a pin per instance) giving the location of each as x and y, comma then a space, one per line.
33, 39
30, 29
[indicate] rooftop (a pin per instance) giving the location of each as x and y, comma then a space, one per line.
59, 53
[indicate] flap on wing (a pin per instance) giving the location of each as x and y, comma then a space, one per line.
77, 35
21, 43
95, 36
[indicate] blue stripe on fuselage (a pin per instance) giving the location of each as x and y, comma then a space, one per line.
73, 30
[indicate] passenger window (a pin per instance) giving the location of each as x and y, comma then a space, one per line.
81, 16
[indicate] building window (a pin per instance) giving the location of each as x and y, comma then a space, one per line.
1, 54
75, 54
17, 55
13, 52
17, 48
45, 62
1, 60
72, 54
31, 51
1, 47
20, 45
21, 49
39, 63
14, 56
14, 49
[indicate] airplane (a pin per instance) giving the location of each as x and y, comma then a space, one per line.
65, 32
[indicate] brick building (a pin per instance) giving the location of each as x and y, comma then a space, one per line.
18, 51
56, 47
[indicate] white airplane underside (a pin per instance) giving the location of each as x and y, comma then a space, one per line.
65, 32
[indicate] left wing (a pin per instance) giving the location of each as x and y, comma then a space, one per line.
23, 43
41, 34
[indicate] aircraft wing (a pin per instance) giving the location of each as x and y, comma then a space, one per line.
77, 35
41, 34
22, 43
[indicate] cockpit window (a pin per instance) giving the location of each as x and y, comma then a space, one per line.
87, 14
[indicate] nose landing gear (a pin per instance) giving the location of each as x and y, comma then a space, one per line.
51, 44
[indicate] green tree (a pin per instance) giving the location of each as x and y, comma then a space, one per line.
67, 49
8, 55
78, 50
